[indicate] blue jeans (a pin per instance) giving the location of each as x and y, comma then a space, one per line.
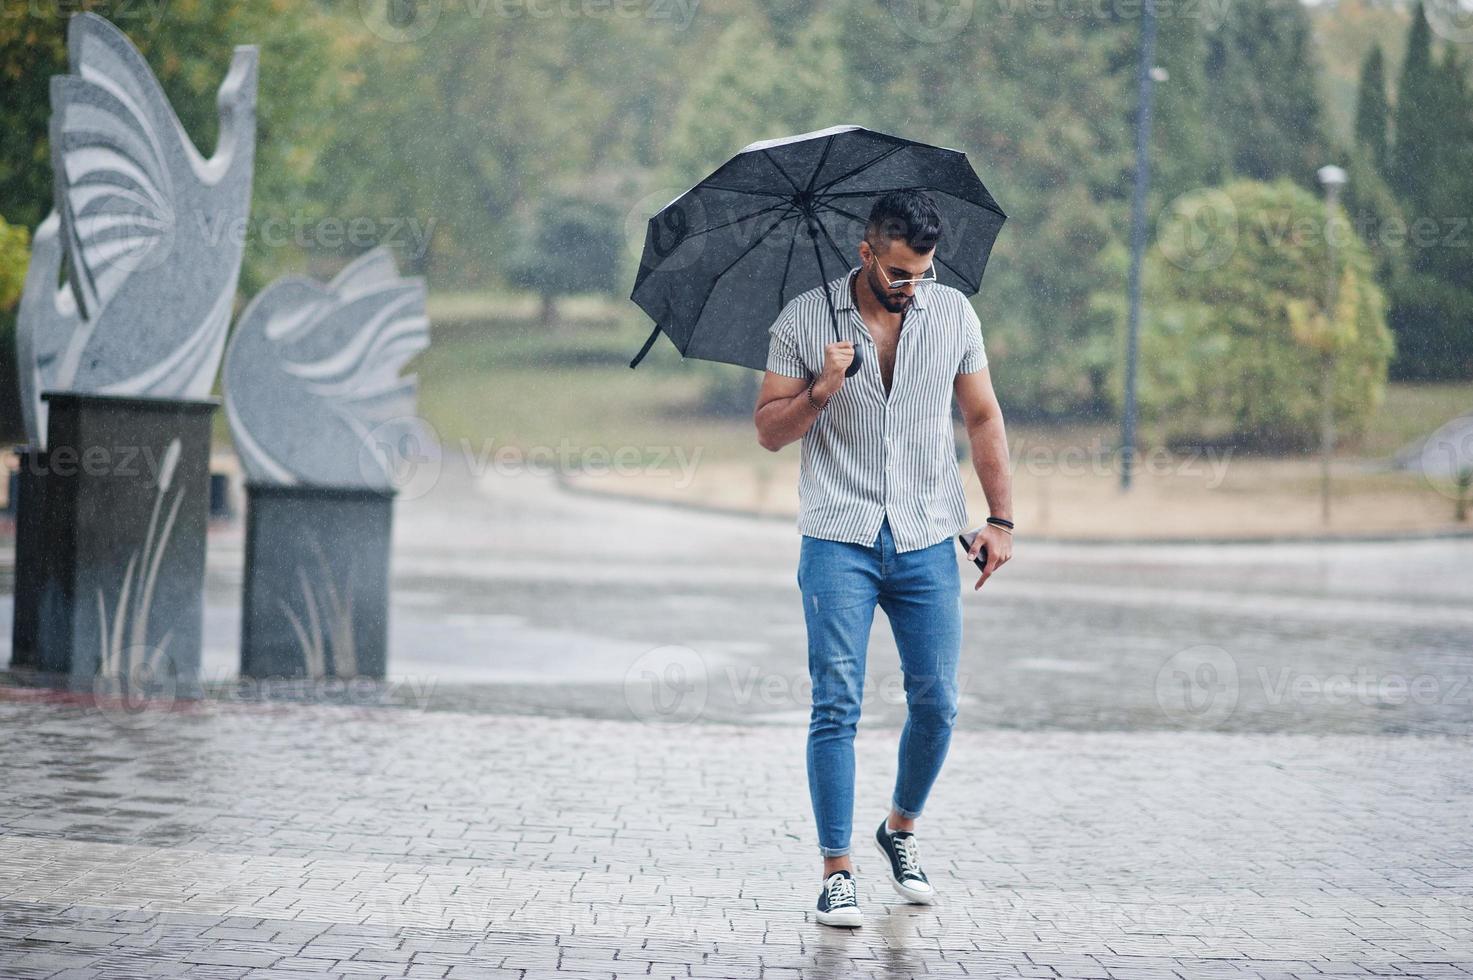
920, 592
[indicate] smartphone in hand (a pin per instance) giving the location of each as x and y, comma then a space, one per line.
966, 538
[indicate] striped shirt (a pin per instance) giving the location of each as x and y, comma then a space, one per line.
867, 455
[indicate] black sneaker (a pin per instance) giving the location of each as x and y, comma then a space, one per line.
899, 847
836, 904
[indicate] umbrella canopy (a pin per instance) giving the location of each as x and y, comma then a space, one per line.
783, 216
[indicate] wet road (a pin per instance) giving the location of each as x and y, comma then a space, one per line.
512, 595
508, 821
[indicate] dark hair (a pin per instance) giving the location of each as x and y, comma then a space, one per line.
908, 215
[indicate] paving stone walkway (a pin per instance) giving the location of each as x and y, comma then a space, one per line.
282, 841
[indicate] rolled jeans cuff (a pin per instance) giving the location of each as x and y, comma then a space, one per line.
832, 852
907, 814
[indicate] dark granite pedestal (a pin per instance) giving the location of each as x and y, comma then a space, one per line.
316, 598
125, 509
31, 554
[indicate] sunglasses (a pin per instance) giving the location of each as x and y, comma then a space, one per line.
928, 276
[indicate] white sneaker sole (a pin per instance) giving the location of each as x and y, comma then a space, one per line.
846, 918
909, 894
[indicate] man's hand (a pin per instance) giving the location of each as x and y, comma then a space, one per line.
837, 357
999, 544
985, 432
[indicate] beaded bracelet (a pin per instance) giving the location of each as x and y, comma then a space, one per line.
811, 382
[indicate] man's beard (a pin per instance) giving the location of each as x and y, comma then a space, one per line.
894, 302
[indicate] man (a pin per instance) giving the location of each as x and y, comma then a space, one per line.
880, 504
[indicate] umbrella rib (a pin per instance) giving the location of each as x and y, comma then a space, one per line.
957, 272
787, 268
745, 252
871, 193
741, 218
717, 279
737, 190
863, 166
839, 210
773, 160
984, 205
822, 159
835, 244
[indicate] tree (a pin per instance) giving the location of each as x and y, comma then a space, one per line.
1432, 295
1041, 106
15, 252
1417, 127
750, 88
188, 47
1264, 78
1371, 109
1234, 339
466, 130
1376, 214
573, 246
1181, 152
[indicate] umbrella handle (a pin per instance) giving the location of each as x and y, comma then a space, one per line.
858, 361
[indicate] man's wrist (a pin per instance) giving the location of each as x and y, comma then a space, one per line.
815, 402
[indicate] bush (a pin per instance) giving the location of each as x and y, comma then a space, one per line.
1234, 334
15, 256
572, 246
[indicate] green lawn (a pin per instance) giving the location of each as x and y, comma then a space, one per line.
505, 380
1414, 410
494, 376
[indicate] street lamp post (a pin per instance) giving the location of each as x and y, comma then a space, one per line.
1332, 178
1146, 76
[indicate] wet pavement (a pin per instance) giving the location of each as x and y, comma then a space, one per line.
513, 596
1172, 761
267, 842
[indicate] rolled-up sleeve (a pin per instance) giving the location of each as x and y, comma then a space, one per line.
975, 356
782, 347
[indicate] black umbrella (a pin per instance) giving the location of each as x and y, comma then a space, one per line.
777, 219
